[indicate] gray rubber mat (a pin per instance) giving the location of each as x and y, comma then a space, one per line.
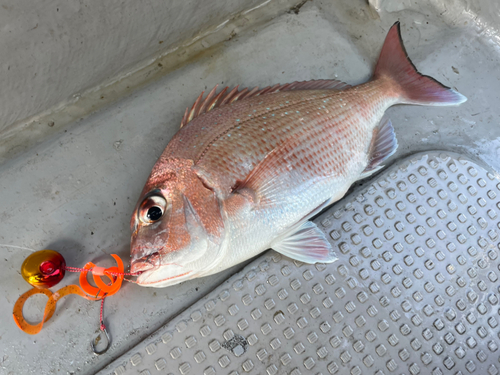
415, 290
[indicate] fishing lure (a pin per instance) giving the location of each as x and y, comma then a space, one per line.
46, 268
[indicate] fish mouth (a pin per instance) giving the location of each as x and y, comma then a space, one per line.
161, 275
146, 263
152, 272
144, 279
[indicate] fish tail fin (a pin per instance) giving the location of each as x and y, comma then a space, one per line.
414, 88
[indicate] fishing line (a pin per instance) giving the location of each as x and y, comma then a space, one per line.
17, 247
46, 268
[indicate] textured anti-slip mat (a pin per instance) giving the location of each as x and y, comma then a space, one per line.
415, 289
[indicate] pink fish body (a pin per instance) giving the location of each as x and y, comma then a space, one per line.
248, 169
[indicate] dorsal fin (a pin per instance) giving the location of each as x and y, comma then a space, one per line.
214, 100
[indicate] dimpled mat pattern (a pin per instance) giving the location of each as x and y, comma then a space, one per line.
415, 289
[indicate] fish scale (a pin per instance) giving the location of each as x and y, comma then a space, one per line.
248, 168
415, 290
260, 130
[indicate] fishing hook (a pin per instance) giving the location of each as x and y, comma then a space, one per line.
102, 327
108, 344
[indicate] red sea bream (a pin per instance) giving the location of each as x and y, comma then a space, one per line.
248, 168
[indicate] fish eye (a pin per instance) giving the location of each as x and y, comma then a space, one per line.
152, 209
154, 213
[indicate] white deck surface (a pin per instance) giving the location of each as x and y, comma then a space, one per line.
415, 289
75, 193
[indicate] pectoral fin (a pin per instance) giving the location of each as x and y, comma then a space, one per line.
307, 243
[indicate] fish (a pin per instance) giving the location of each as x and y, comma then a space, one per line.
248, 168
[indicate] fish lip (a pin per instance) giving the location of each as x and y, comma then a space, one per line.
143, 279
146, 263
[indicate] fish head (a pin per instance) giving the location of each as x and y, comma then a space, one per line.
177, 227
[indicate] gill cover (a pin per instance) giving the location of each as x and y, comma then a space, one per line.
191, 224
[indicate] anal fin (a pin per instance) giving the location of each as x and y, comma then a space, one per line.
384, 144
367, 174
307, 243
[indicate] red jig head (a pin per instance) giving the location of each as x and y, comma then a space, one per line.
43, 269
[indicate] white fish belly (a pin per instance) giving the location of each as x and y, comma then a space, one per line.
254, 231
